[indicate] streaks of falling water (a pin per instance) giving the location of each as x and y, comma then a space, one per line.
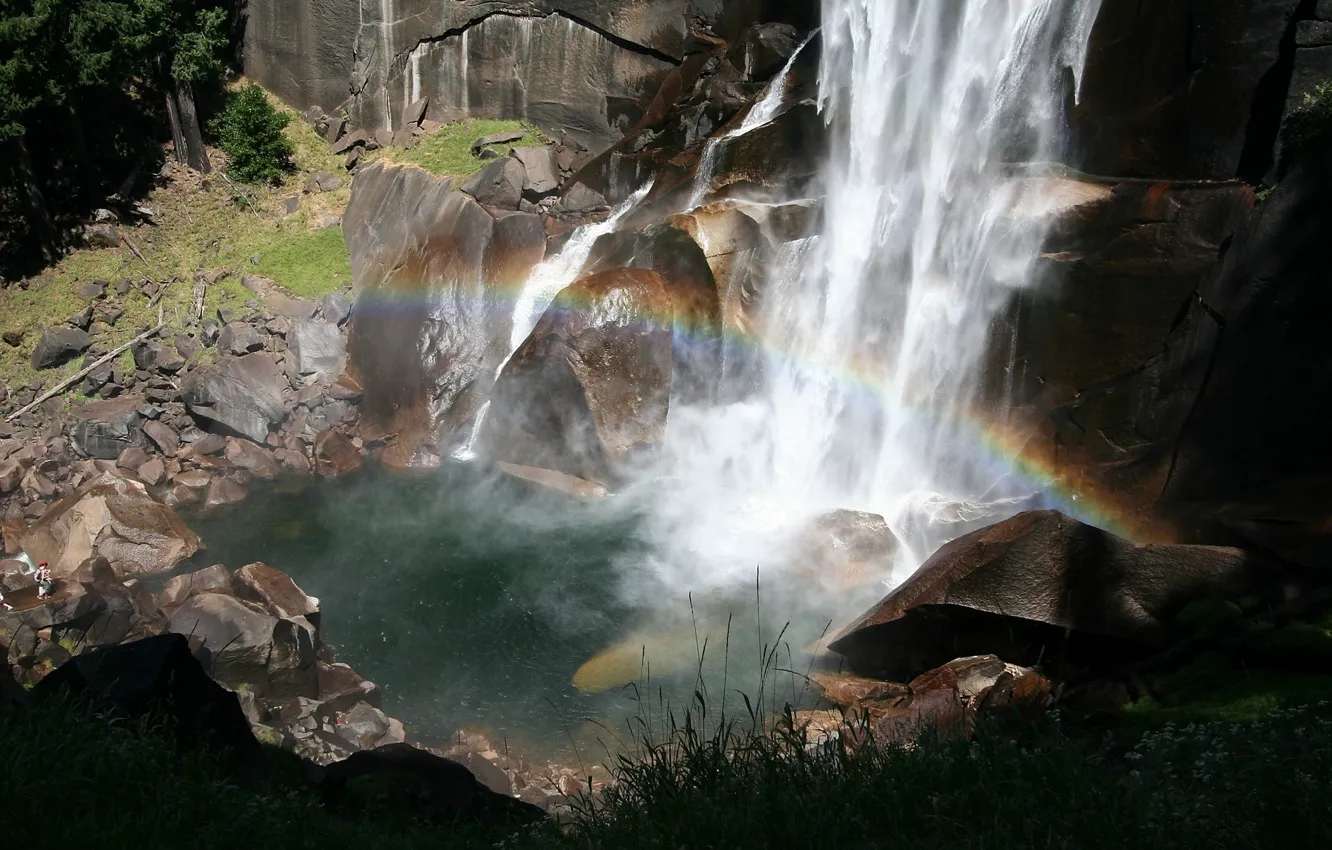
874, 341
761, 113
543, 284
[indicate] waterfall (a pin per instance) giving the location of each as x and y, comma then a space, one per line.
759, 114
545, 282
874, 341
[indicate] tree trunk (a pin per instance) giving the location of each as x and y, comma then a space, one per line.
173, 113
38, 213
87, 176
195, 153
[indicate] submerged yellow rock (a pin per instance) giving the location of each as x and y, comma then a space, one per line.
658, 653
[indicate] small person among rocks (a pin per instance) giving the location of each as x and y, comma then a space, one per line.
4, 606
45, 583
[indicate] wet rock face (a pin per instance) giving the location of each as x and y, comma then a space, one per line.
432, 271
1043, 585
1180, 89
1248, 467
587, 394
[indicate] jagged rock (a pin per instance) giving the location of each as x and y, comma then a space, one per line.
59, 345
363, 726
357, 139
153, 356
132, 458
276, 592
587, 393
541, 174
214, 579
256, 460
152, 472
319, 349
105, 429
1044, 586
846, 689
163, 435
244, 394
81, 319
239, 338
91, 291
764, 49
187, 346
335, 455
322, 181
499, 184
158, 677
117, 519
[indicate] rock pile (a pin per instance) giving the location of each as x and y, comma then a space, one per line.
231, 399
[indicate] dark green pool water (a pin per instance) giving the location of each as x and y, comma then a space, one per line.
472, 599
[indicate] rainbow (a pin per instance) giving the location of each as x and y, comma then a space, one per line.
1004, 446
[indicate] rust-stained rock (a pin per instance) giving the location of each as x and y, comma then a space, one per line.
847, 689
335, 455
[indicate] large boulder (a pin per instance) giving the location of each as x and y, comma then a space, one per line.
1042, 585
155, 678
105, 429
58, 345
695, 304
588, 392
846, 548
499, 184
241, 393
432, 272
247, 646
115, 518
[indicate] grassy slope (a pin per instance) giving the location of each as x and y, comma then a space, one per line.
195, 212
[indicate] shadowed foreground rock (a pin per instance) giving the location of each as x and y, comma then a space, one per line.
158, 678
402, 777
1042, 585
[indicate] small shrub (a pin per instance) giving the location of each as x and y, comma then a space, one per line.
1311, 122
249, 130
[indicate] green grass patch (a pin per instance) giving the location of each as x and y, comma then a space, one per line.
448, 151
201, 228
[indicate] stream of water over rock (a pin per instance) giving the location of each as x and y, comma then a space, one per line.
471, 605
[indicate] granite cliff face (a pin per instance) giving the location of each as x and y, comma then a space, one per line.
584, 68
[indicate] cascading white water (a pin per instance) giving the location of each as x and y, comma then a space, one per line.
545, 282
873, 338
759, 114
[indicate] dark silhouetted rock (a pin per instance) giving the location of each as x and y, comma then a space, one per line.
764, 49
248, 646
59, 345
1042, 585
243, 394
158, 678
587, 393
415, 782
